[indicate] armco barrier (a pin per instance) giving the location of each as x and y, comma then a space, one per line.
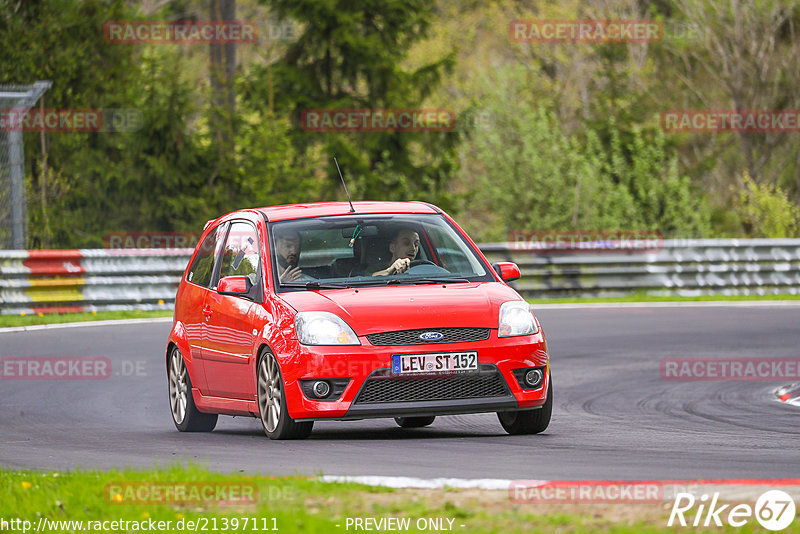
47, 281
42, 281
685, 267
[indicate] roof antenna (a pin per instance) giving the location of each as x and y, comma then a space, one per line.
352, 209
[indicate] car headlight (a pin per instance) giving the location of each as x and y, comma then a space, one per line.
516, 319
323, 328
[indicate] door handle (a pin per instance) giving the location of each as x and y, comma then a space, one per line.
207, 311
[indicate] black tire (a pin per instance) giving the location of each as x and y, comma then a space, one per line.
272, 410
528, 421
185, 415
414, 422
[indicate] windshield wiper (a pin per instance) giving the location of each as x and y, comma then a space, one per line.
406, 281
316, 284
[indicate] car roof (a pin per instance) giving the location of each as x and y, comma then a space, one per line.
321, 209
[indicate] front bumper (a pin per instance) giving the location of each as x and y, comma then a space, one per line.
366, 364
417, 409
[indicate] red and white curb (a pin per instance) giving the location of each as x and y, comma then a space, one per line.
789, 394
653, 492
424, 483
501, 484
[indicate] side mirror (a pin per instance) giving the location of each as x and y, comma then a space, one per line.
507, 271
234, 285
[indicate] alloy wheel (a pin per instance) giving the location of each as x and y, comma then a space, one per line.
178, 389
270, 394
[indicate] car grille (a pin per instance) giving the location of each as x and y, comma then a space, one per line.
411, 337
382, 386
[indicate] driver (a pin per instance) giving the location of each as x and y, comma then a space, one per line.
404, 248
287, 250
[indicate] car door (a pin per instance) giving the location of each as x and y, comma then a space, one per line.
190, 307
229, 338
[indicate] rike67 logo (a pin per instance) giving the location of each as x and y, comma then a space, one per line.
774, 510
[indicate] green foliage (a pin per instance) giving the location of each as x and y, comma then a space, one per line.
62, 40
765, 210
571, 141
271, 170
165, 176
350, 55
148, 179
664, 200
533, 175
103, 181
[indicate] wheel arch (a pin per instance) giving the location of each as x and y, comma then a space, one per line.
177, 339
261, 346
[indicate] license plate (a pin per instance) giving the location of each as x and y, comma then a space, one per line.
442, 362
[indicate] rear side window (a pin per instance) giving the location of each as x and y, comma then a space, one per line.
202, 270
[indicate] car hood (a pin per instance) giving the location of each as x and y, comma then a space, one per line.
369, 310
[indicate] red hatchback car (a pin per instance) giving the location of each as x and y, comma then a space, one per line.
325, 311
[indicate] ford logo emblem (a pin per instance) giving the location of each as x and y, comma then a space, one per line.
431, 336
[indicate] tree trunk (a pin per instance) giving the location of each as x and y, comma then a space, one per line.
222, 70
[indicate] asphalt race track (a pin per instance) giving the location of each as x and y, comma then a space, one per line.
614, 418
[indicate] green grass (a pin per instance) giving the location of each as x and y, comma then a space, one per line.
656, 298
50, 318
301, 505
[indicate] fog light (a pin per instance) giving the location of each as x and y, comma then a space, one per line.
321, 388
533, 377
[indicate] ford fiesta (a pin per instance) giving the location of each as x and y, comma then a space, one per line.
299, 313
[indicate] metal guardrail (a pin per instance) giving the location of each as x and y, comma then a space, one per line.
58, 281
692, 267
48, 281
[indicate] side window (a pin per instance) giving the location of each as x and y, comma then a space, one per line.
454, 254
202, 270
240, 256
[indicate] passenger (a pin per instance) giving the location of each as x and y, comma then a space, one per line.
287, 250
404, 248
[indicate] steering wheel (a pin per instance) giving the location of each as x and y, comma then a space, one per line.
414, 263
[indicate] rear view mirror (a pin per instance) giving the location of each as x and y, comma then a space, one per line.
363, 231
234, 285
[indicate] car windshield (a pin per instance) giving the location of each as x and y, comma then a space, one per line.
371, 250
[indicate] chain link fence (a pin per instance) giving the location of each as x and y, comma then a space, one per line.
13, 195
